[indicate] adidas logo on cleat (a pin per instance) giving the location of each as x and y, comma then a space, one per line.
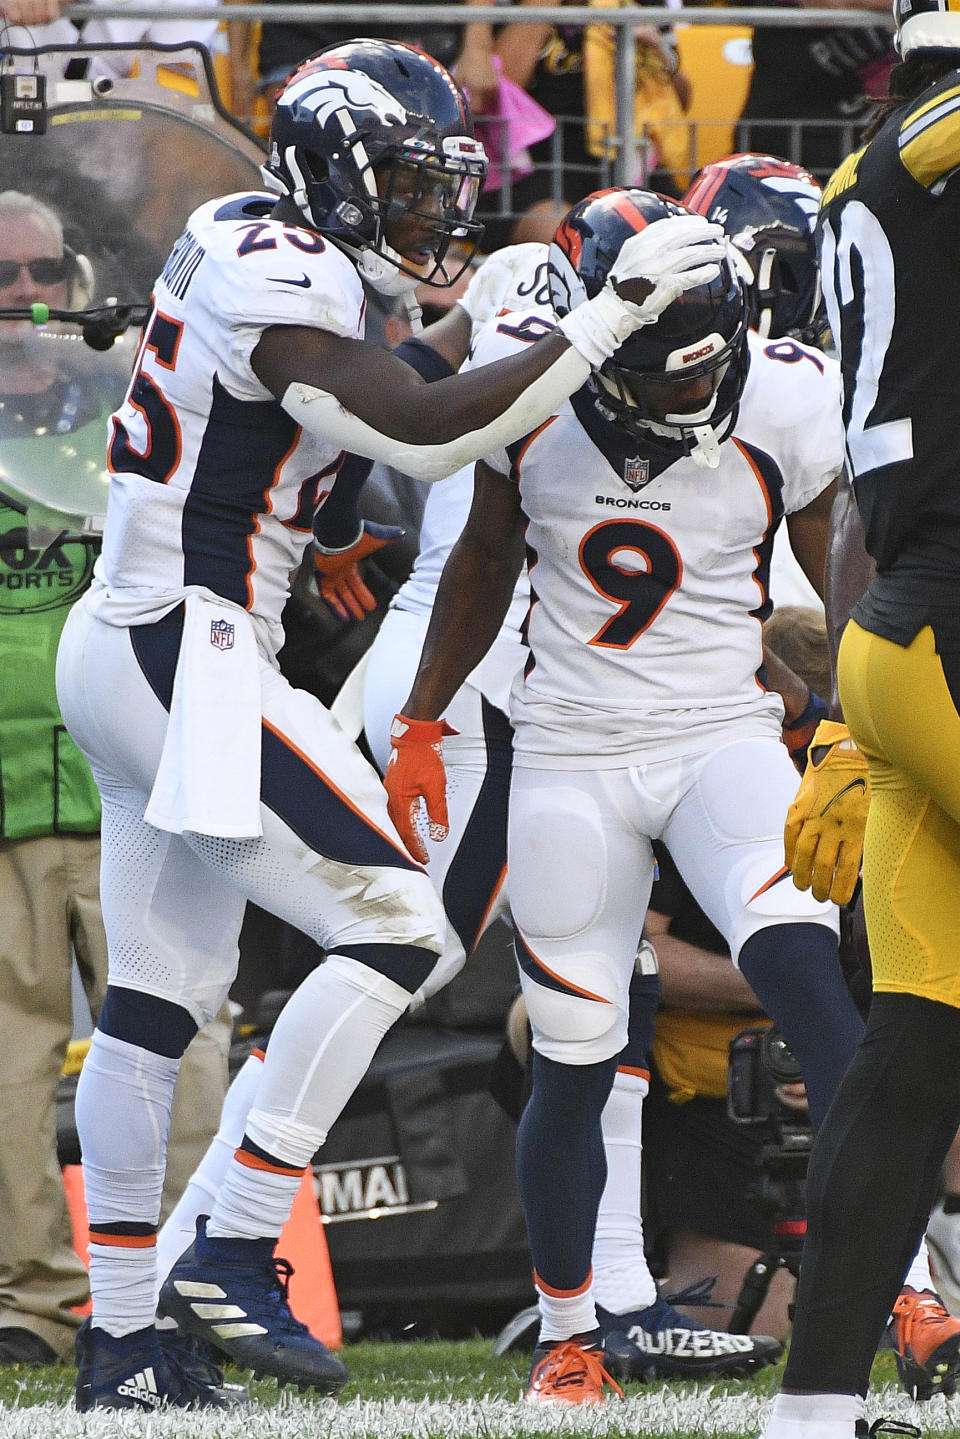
142, 1386
689, 1343
226, 1320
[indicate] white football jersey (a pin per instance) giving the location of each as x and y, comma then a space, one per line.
510, 279
213, 485
650, 578
513, 278
444, 516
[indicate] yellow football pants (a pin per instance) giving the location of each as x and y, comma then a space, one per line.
900, 711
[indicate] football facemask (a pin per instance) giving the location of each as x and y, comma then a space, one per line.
373, 143
692, 401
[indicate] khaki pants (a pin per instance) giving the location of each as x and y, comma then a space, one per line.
49, 901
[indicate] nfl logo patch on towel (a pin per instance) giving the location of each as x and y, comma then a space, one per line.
221, 634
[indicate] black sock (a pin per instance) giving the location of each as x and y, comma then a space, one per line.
871, 1184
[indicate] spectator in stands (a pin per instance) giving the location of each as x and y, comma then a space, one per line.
822, 77
568, 70
48, 22
50, 817
468, 49
539, 222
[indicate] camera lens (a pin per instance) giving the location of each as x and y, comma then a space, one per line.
779, 1059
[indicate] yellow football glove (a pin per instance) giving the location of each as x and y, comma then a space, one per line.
823, 835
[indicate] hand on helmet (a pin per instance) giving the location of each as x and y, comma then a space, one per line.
653, 268
668, 257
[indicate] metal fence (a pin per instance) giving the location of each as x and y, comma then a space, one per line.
704, 135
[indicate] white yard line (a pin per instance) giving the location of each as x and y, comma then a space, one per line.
658, 1414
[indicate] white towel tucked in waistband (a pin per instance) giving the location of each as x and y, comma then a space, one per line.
209, 774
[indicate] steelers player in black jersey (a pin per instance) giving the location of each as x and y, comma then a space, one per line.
889, 237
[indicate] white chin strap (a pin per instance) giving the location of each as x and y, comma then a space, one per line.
706, 446
384, 274
706, 451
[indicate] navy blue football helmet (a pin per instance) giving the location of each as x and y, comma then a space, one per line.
768, 208
370, 133
700, 337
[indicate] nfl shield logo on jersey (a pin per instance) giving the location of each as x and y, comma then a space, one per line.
221, 634
636, 473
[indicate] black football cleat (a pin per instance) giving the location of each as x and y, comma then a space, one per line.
659, 1343
132, 1373
232, 1293
864, 1430
195, 1362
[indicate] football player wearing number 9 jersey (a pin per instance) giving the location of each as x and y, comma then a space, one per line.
888, 244
645, 507
219, 781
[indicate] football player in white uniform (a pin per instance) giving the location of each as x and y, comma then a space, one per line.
645, 507
469, 869
219, 782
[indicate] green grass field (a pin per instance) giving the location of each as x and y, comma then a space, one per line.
436, 1390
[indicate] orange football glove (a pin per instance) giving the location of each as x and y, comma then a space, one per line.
338, 574
415, 774
823, 835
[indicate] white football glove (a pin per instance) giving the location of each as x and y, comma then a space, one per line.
673, 255
494, 285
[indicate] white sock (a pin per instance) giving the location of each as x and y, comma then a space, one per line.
562, 1316
918, 1275
814, 1416
320, 1049
621, 1277
201, 1193
123, 1282
123, 1117
254, 1202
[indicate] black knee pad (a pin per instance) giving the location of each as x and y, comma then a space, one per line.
143, 1019
406, 964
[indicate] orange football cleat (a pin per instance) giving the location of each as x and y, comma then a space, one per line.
567, 1373
925, 1340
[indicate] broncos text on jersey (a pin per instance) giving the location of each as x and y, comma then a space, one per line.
649, 577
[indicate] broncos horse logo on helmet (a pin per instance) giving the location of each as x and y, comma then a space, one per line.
369, 134
768, 208
680, 377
